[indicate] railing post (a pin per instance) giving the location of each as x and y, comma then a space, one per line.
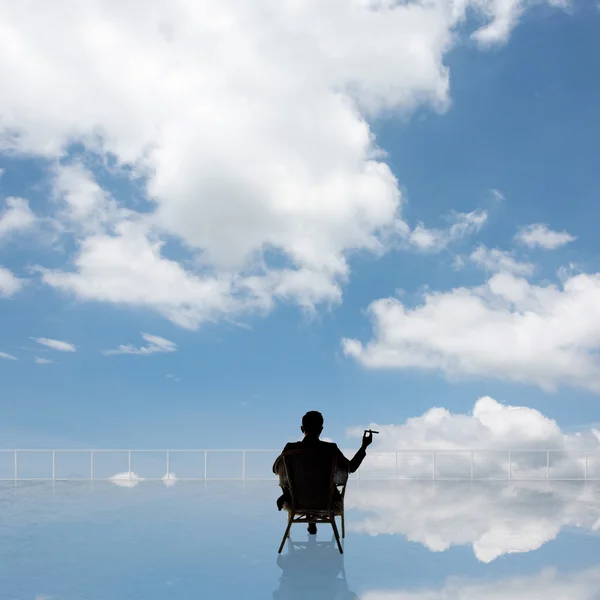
244, 465
53, 465
16, 466
91, 464
472, 465
205, 465
509, 465
433, 466
129, 462
547, 464
168, 464
586, 466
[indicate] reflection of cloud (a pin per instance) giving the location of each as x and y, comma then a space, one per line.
494, 518
169, 479
126, 479
549, 583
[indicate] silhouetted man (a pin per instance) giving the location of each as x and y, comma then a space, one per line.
312, 426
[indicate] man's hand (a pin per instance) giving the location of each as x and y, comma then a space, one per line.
367, 439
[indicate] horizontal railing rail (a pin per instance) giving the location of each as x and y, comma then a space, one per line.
412, 464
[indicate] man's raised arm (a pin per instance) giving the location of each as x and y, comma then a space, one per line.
352, 465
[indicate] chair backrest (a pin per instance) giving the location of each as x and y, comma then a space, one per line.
310, 475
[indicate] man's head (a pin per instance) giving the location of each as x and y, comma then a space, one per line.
312, 423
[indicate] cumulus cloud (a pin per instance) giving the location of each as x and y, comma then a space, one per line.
5, 356
495, 260
248, 126
437, 239
155, 344
549, 583
56, 344
494, 441
9, 283
540, 235
507, 328
490, 425
16, 216
85, 207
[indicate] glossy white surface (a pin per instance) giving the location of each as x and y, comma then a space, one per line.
405, 541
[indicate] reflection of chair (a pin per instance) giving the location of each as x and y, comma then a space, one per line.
310, 475
312, 570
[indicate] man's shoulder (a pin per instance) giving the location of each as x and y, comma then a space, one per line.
319, 445
292, 446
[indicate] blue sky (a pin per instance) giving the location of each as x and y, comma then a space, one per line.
278, 228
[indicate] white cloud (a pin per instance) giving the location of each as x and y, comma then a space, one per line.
42, 361
489, 431
491, 425
169, 479
84, 205
55, 344
437, 239
9, 283
155, 345
549, 583
506, 328
250, 124
540, 235
126, 479
6, 356
16, 216
495, 260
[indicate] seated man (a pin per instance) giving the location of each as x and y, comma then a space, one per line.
312, 426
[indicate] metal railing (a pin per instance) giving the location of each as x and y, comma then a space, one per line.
473, 465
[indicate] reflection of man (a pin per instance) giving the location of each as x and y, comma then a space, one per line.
312, 570
312, 426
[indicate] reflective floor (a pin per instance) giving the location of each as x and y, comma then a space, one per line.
404, 541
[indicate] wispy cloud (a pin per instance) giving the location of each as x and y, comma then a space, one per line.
465, 224
6, 356
540, 235
497, 195
155, 345
42, 361
56, 344
495, 261
173, 377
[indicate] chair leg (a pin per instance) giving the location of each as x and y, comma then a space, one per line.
337, 535
286, 534
343, 525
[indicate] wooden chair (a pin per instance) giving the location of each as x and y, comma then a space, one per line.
310, 476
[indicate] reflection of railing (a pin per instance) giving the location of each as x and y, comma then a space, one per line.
203, 465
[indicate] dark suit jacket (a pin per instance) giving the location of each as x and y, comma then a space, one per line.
344, 466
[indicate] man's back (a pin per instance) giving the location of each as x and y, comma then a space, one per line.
344, 466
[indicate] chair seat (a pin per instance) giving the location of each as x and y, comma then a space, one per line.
337, 506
